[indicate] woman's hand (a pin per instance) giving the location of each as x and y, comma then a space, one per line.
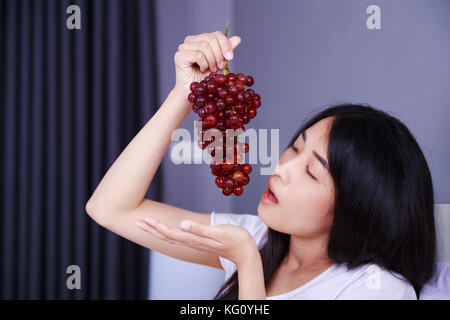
201, 54
226, 240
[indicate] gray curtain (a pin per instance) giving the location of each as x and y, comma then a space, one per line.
70, 100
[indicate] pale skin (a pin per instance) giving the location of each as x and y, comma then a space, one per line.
119, 202
301, 181
229, 241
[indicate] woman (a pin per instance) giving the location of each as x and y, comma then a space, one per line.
348, 213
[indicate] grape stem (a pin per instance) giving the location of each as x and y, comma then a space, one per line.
226, 70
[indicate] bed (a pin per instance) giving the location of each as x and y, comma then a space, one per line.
438, 287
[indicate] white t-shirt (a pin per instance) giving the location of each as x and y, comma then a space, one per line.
368, 281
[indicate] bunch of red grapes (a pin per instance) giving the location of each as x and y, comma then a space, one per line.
222, 102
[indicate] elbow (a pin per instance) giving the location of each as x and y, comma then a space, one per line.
89, 208
94, 213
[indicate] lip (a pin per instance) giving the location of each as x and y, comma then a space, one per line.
269, 181
266, 198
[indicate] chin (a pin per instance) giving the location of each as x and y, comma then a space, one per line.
271, 218
264, 215
260, 209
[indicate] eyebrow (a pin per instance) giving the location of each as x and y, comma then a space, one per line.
321, 159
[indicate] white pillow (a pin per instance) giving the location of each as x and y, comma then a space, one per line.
431, 293
438, 287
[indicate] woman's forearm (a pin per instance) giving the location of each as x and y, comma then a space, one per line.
251, 278
125, 184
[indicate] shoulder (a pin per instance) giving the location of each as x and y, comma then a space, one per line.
372, 282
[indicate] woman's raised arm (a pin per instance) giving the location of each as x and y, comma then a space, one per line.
119, 199
124, 186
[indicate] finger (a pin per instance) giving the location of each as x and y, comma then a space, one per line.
227, 45
149, 229
211, 232
179, 235
192, 57
195, 37
205, 47
216, 49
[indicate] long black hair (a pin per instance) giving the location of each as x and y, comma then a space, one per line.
384, 200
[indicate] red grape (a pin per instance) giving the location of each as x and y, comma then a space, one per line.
227, 191
238, 176
220, 79
231, 76
210, 107
240, 86
233, 89
199, 90
250, 81
201, 113
238, 190
193, 85
228, 183
246, 180
200, 101
241, 77
211, 87
227, 166
211, 120
229, 100
222, 102
252, 112
220, 181
239, 107
246, 168
255, 103
192, 97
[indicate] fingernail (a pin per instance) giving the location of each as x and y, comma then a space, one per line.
214, 69
140, 224
185, 225
228, 55
221, 64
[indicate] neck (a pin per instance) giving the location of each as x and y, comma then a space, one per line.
307, 254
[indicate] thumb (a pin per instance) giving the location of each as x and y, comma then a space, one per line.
235, 41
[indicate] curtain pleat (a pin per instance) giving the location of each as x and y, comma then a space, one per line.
71, 101
37, 137
10, 245
98, 141
51, 152
2, 116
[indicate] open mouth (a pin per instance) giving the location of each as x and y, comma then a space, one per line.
269, 196
272, 196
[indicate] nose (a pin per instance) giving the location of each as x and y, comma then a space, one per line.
282, 169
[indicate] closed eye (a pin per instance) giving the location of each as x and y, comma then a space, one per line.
307, 170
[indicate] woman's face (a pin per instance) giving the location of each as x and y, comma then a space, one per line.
305, 204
